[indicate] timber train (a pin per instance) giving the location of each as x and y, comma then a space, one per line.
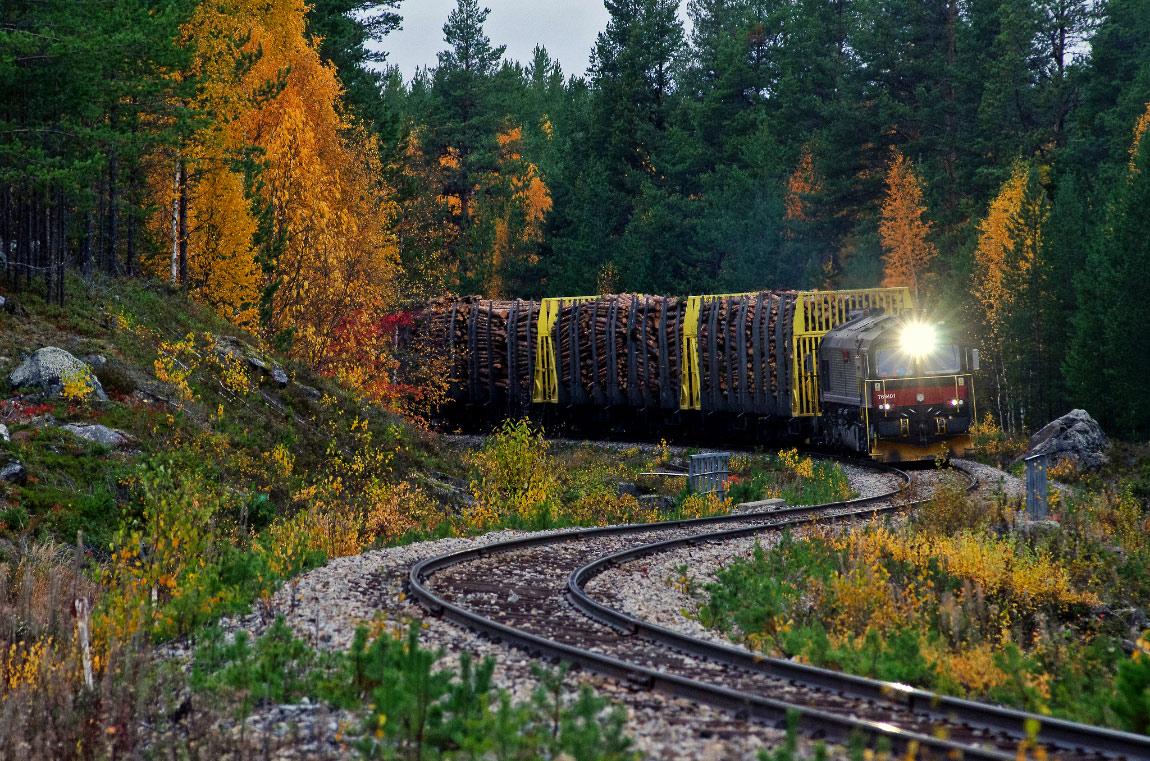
859, 371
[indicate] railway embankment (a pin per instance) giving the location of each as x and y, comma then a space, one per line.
238, 518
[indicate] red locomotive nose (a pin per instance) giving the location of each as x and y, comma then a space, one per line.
930, 394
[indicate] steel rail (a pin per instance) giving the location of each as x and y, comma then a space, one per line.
815, 722
1058, 733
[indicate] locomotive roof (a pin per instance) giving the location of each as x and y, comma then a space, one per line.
861, 333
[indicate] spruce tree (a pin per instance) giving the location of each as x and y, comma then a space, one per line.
1125, 237
352, 32
462, 127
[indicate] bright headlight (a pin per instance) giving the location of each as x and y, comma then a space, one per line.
918, 339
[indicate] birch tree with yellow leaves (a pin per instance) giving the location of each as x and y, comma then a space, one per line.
1012, 288
996, 241
313, 178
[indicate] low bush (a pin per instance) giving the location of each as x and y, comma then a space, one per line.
790, 476
513, 475
410, 708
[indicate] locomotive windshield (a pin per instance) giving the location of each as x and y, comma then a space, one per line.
942, 361
896, 363
893, 363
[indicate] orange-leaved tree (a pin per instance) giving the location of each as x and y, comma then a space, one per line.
1140, 129
328, 254
802, 242
201, 186
996, 242
517, 201
802, 185
424, 227
907, 249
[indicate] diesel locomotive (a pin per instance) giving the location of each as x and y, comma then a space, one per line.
860, 371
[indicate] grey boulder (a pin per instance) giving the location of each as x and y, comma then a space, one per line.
4, 436
98, 434
47, 369
230, 347
628, 489
14, 472
1076, 437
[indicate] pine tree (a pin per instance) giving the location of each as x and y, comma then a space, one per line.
1115, 89
351, 32
462, 130
1110, 334
633, 101
1066, 233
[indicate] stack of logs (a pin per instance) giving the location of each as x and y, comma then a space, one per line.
724, 319
625, 349
473, 332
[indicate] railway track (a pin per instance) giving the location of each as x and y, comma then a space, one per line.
529, 593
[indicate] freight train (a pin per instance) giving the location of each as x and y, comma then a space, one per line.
861, 370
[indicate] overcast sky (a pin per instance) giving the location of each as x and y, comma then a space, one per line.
567, 28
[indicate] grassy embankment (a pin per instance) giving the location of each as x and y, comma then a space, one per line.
228, 486
965, 600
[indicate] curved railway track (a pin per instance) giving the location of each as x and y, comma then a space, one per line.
529, 593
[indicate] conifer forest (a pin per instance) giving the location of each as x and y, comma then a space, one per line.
264, 157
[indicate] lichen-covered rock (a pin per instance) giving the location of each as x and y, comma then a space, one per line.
226, 346
47, 369
99, 434
1076, 437
14, 472
4, 436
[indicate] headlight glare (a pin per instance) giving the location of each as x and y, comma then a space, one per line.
918, 339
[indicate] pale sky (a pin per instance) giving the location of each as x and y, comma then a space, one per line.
567, 28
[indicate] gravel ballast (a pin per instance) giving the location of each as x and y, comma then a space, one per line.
326, 605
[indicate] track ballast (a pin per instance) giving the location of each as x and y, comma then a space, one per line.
528, 593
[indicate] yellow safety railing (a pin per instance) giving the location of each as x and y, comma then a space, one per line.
689, 393
816, 313
546, 387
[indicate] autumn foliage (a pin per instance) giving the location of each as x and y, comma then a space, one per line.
288, 220
996, 240
907, 249
802, 185
1140, 129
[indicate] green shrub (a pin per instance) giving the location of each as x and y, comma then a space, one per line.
1131, 703
411, 709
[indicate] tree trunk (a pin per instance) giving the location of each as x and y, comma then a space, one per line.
113, 242
184, 223
176, 224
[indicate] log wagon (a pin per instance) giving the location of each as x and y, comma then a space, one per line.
857, 370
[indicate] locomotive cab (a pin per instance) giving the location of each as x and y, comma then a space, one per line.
896, 387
